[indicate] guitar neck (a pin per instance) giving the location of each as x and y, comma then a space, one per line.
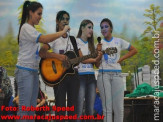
108, 51
80, 59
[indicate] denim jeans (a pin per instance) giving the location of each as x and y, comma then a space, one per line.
111, 88
28, 85
87, 91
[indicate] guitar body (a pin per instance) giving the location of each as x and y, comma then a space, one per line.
53, 70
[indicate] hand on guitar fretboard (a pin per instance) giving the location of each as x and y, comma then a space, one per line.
67, 63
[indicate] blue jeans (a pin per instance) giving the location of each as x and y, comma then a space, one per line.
28, 86
111, 88
87, 91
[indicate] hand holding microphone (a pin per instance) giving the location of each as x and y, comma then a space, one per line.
99, 48
99, 39
66, 28
99, 45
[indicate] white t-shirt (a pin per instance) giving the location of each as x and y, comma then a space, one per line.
109, 62
61, 45
28, 57
84, 68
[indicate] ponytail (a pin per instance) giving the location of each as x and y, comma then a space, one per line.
25, 13
33, 6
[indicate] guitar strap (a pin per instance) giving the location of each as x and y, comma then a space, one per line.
73, 41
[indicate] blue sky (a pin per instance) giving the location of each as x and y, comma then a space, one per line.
121, 12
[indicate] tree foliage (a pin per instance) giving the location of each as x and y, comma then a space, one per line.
9, 51
154, 16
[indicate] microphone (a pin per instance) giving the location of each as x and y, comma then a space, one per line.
99, 39
68, 31
99, 46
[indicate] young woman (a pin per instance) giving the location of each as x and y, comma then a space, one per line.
27, 65
109, 81
70, 83
87, 79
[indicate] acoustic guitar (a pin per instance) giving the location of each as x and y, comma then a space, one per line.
53, 71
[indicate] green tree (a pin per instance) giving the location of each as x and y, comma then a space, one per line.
134, 37
9, 37
8, 53
10, 29
154, 15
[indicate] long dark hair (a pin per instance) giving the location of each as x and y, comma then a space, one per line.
109, 22
59, 17
28, 6
91, 46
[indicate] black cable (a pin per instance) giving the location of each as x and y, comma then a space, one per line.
99, 41
59, 85
104, 89
68, 34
